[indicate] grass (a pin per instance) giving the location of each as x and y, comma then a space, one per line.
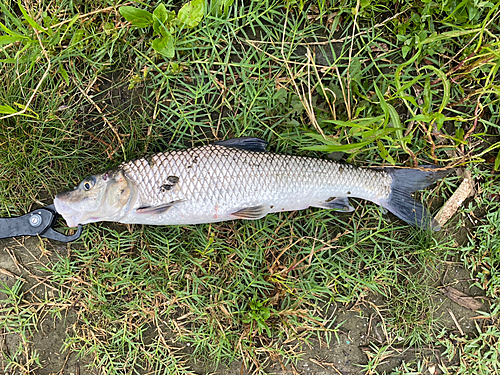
379, 83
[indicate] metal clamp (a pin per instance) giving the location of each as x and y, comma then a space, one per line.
36, 223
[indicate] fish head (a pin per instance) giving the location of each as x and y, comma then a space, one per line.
102, 197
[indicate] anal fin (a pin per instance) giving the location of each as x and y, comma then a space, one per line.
340, 203
251, 213
156, 210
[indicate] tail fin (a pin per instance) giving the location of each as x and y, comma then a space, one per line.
400, 201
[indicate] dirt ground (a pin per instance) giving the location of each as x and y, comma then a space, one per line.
361, 326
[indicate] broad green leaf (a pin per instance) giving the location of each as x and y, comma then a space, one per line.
397, 76
191, 14
70, 25
30, 20
13, 33
137, 17
407, 85
73, 20
427, 94
422, 117
497, 162
410, 99
7, 39
396, 122
13, 18
26, 109
165, 46
220, 8
76, 38
7, 109
64, 74
6, 29
161, 19
384, 153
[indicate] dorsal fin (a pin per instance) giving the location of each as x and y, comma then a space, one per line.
244, 143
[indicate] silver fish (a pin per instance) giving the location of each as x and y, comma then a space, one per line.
237, 179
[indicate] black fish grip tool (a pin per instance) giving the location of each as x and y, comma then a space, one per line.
39, 222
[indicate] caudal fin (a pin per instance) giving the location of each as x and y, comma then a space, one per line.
400, 201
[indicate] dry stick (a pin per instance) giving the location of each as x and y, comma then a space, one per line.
61, 371
456, 322
106, 121
476, 116
382, 318
10, 274
437, 80
323, 364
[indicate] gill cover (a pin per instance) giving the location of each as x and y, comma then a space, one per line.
103, 197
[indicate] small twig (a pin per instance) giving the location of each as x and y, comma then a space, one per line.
323, 364
437, 80
369, 329
476, 116
456, 322
10, 274
61, 371
381, 317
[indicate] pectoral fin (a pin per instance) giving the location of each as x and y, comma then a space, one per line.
251, 213
156, 210
340, 203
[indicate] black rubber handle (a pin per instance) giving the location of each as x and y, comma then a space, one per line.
36, 223
31, 224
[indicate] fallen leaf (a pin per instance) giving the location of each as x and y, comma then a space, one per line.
462, 299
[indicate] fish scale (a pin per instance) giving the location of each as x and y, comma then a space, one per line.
238, 179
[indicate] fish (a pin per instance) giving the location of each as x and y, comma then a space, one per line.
239, 179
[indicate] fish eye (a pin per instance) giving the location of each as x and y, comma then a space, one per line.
88, 184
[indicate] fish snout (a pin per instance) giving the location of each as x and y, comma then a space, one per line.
66, 211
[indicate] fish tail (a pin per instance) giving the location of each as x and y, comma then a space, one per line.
400, 201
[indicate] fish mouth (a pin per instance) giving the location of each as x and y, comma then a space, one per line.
72, 217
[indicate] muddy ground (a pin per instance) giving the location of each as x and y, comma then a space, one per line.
362, 326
